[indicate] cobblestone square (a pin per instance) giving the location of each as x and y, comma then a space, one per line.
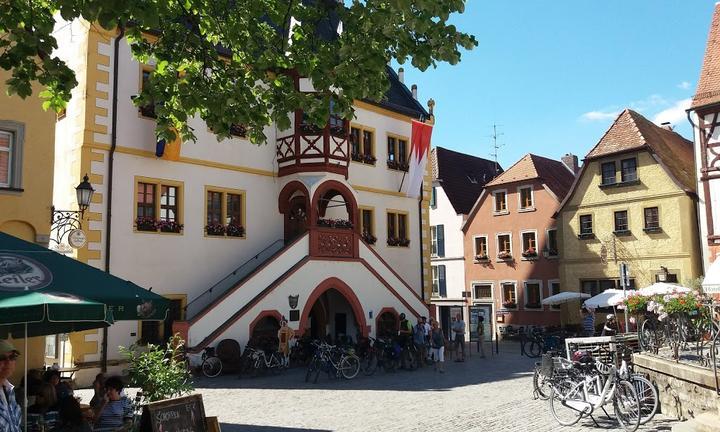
491, 394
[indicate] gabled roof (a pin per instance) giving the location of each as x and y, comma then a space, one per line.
630, 132
462, 176
399, 98
553, 174
708, 88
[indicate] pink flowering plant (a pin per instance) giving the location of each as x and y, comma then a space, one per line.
636, 303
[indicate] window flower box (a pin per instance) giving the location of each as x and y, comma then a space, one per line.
481, 258
509, 305
334, 223
530, 253
169, 226
234, 230
400, 166
215, 229
504, 255
393, 241
533, 306
146, 224
369, 159
369, 238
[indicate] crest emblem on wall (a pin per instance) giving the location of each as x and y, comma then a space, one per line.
293, 300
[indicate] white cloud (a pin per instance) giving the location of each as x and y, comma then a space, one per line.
601, 115
684, 85
675, 114
650, 103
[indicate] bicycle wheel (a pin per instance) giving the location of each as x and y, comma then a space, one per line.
313, 367
626, 406
647, 396
211, 367
349, 367
534, 349
369, 363
648, 336
541, 384
276, 365
567, 402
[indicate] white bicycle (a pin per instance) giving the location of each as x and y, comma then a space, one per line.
575, 398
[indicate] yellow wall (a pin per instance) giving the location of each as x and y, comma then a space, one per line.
26, 214
676, 247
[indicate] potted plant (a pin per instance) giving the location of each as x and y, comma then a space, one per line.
215, 229
509, 304
234, 230
481, 257
169, 226
404, 242
504, 255
393, 241
357, 157
369, 159
369, 238
529, 253
146, 224
334, 223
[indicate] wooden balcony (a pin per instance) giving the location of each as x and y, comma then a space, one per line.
309, 149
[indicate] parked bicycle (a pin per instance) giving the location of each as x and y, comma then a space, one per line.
211, 364
337, 362
262, 361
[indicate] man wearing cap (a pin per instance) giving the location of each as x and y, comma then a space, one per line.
10, 414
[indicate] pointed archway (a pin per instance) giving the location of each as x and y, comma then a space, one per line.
338, 302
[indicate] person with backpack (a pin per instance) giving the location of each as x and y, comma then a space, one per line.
419, 342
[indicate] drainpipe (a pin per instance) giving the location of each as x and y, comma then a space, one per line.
422, 258
111, 160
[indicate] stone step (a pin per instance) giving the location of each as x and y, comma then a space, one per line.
706, 422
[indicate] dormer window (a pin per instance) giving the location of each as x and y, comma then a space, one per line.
500, 202
629, 170
526, 198
608, 173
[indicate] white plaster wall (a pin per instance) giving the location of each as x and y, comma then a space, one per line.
370, 292
454, 260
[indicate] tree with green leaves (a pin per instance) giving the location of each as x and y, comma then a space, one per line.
234, 62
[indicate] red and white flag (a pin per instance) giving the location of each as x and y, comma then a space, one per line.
419, 154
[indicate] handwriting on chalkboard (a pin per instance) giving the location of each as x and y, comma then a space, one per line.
185, 414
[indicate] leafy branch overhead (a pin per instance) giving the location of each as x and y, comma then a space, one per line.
234, 62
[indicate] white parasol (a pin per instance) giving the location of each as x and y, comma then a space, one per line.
564, 297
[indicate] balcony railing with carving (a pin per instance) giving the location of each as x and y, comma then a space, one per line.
308, 149
334, 242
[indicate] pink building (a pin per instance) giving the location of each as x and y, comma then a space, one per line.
511, 243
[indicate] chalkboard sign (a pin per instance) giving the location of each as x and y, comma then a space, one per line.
184, 414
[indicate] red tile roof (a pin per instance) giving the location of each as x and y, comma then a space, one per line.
554, 174
708, 88
631, 131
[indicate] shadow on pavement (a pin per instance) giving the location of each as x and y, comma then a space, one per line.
475, 370
655, 425
227, 427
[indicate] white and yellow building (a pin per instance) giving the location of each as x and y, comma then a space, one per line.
243, 239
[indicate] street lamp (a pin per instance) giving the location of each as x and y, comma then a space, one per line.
64, 221
663, 275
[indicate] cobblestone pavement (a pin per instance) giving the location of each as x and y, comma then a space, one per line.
492, 394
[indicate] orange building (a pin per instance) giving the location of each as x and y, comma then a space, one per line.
511, 243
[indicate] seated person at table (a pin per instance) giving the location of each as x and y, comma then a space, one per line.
71, 417
62, 389
99, 389
44, 409
116, 411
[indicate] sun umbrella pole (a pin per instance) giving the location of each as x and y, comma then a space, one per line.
25, 386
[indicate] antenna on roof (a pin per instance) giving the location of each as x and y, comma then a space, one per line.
496, 146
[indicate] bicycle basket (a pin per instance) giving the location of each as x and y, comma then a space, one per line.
547, 365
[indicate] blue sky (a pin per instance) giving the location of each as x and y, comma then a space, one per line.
553, 74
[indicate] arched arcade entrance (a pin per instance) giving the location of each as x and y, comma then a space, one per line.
333, 312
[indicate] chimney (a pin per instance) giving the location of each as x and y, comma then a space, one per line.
414, 91
571, 162
666, 126
401, 75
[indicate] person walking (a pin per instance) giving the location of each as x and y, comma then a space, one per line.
10, 413
458, 329
419, 342
481, 335
437, 341
588, 322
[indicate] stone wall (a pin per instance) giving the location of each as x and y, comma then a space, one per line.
685, 391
